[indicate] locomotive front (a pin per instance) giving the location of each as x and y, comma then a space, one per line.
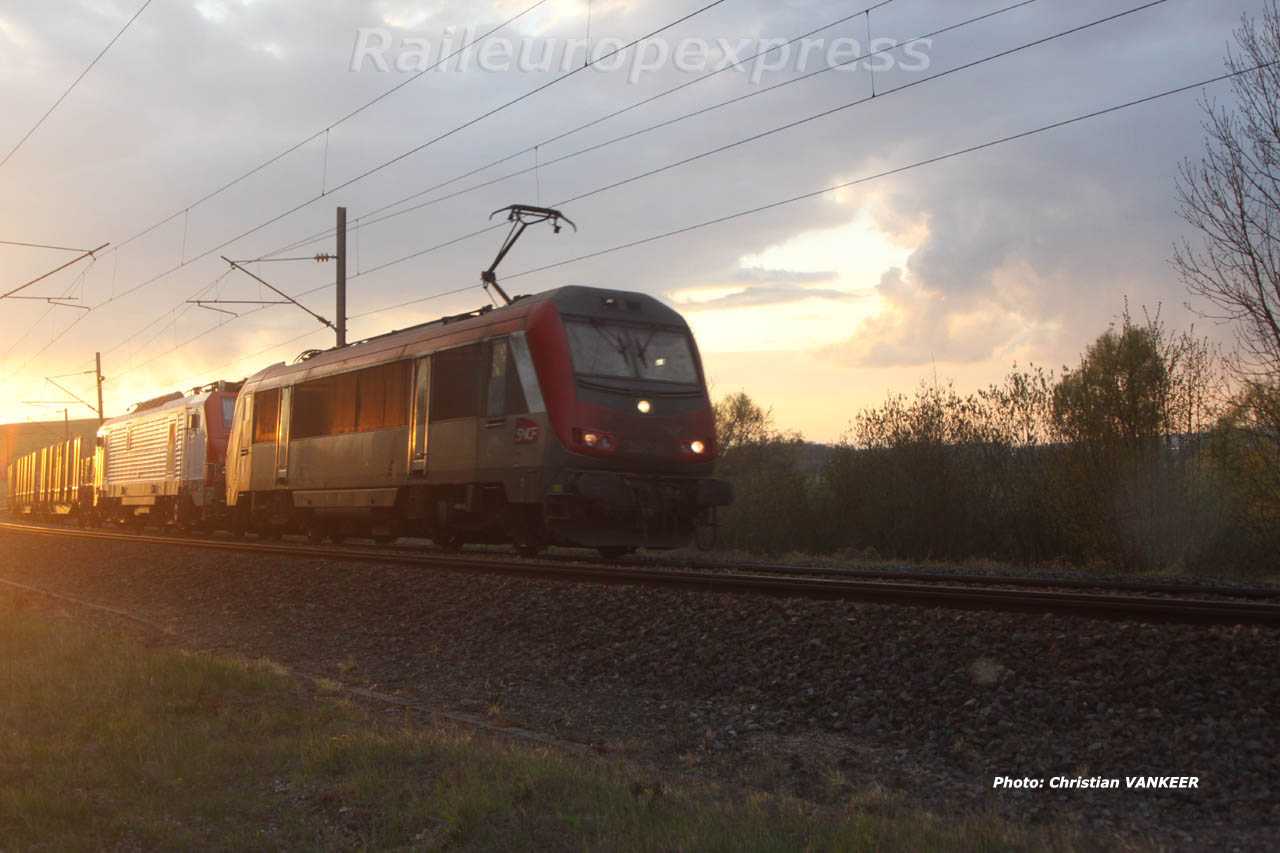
627, 399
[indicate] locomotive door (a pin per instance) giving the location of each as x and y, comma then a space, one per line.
508, 437
493, 442
282, 437
418, 417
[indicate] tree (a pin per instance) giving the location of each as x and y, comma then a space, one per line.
1120, 393
740, 422
772, 509
1130, 481
1231, 195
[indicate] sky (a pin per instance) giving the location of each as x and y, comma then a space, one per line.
955, 269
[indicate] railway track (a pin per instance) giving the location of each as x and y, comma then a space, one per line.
967, 593
1151, 586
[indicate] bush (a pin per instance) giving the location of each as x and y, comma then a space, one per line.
1130, 461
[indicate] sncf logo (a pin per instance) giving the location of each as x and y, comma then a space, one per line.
526, 431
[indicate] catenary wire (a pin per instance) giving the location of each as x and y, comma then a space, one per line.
414, 150
41, 246
328, 233
74, 83
868, 178
323, 235
898, 170
775, 130
352, 114
796, 123
766, 207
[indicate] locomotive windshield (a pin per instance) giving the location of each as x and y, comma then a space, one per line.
601, 348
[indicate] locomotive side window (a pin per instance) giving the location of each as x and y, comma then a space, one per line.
382, 396
266, 415
324, 406
228, 411
455, 383
373, 398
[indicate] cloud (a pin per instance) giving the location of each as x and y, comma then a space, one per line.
755, 296
918, 326
13, 34
1031, 245
761, 275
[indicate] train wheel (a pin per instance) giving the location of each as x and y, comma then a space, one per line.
382, 539
315, 534
529, 544
452, 541
337, 538
613, 552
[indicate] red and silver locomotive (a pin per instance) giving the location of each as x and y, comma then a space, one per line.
164, 461
578, 416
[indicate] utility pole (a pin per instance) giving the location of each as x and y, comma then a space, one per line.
97, 368
341, 309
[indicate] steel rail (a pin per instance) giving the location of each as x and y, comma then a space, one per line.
1086, 605
1155, 586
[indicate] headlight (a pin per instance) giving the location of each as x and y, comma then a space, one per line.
697, 446
644, 407
595, 439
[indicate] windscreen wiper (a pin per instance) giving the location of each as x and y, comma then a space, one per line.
619, 342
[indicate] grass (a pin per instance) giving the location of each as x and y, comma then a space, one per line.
105, 743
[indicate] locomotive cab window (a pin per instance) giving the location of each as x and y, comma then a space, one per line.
505, 396
266, 415
618, 350
228, 411
455, 383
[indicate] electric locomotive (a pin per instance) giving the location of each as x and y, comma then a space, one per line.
577, 416
163, 462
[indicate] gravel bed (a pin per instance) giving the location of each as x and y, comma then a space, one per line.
820, 699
